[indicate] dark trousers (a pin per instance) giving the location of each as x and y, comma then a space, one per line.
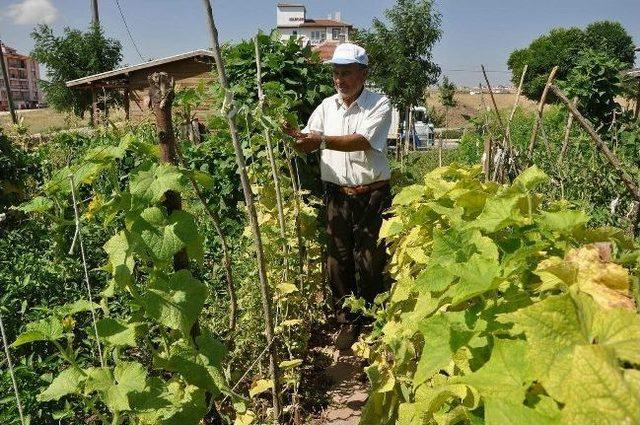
355, 257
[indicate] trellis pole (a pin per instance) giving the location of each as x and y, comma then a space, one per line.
13, 376
229, 111
78, 236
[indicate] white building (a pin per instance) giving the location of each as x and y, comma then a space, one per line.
322, 34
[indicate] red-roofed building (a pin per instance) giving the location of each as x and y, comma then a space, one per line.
323, 34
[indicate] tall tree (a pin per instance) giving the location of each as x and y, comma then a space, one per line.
75, 54
400, 51
563, 47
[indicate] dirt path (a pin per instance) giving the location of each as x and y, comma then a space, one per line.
337, 384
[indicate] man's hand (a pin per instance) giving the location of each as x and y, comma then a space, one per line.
308, 143
291, 131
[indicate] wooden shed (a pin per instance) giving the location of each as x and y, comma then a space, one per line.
188, 70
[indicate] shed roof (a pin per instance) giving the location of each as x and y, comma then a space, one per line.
128, 69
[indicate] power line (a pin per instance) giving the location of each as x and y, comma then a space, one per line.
124, 21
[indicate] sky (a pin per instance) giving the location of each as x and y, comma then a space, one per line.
474, 31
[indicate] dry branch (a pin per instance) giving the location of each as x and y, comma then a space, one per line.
543, 99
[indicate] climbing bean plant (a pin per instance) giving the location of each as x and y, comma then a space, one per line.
156, 367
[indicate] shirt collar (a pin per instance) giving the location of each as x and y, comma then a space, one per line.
358, 101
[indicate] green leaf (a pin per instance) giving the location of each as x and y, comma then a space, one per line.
552, 328
67, 382
127, 379
175, 300
564, 220
596, 390
160, 237
194, 367
437, 352
434, 278
391, 227
289, 364
49, 329
39, 204
75, 307
530, 178
409, 195
497, 214
150, 186
380, 377
169, 403
117, 333
477, 276
505, 376
203, 179
508, 412
260, 386
619, 330
121, 261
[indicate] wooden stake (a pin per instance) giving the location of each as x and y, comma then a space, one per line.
543, 99
567, 133
7, 87
125, 103
628, 181
251, 210
636, 113
161, 94
94, 107
493, 99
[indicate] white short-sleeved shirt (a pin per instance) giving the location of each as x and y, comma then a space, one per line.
370, 117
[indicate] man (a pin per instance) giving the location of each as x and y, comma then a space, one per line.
350, 129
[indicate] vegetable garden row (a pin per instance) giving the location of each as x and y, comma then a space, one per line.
141, 285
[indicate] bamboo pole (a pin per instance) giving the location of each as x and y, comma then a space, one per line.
272, 163
628, 181
251, 210
543, 99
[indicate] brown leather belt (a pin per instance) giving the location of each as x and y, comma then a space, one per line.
362, 189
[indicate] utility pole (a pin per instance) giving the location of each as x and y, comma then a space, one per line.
95, 19
7, 87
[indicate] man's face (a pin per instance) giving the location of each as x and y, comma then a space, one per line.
348, 79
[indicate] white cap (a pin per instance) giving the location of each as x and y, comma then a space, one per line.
347, 53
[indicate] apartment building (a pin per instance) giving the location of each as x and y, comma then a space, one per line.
23, 73
322, 34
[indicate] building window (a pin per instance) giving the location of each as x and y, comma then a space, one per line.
294, 33
335, 33
317, 35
